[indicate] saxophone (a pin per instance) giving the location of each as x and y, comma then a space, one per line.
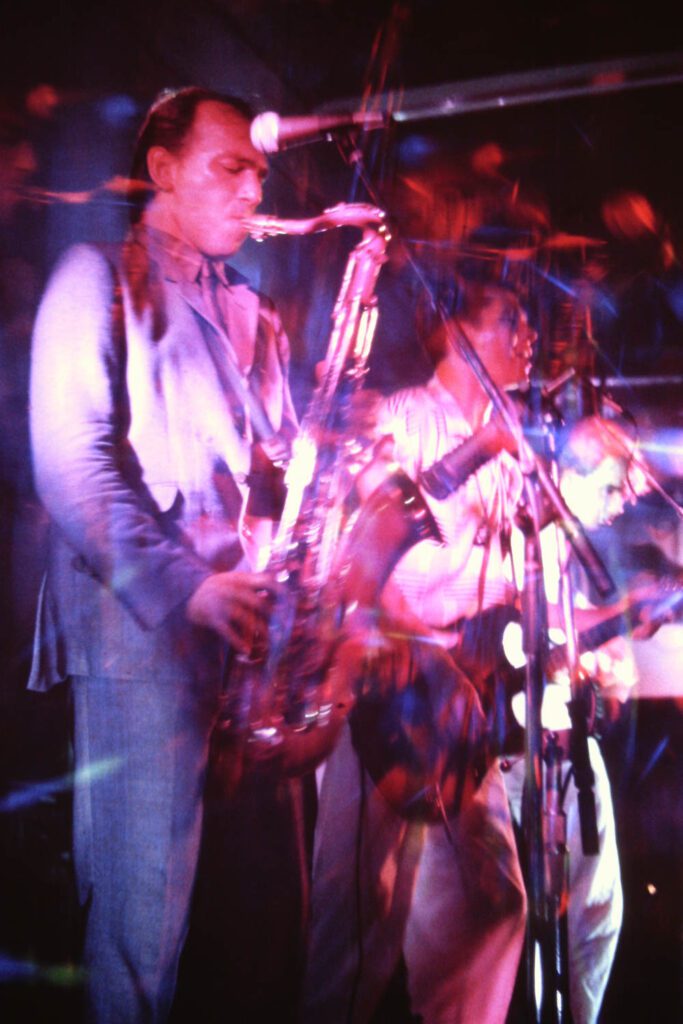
285, 703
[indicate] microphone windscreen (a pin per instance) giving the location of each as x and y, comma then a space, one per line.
265, 132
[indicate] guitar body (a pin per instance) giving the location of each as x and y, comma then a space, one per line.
417, 724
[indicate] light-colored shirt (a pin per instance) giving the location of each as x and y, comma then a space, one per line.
471, 569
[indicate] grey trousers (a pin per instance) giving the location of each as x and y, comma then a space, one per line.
141, 755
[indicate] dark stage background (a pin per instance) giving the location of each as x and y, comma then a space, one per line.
64, 144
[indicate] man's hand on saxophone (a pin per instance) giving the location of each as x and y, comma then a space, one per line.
236, 605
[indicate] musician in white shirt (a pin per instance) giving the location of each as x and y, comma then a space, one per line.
448, 896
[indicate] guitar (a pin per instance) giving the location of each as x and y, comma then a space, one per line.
490, 650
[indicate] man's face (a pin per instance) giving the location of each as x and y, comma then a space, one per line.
504, 340
597, 498
215, 181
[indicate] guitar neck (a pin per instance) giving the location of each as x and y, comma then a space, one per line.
590, 639
621, 622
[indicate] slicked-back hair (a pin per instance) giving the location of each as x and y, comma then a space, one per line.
473, 296
168, 123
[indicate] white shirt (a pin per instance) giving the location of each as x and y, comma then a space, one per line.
469, 571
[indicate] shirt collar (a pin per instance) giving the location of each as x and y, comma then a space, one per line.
447, 400
177, 260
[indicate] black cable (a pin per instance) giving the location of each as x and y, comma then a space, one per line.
358, 893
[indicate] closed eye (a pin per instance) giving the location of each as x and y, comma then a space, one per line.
234, 169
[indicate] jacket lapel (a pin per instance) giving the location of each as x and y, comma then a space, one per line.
241, 311
242, 322
202, 420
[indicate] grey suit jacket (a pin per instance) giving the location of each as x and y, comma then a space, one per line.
138, 458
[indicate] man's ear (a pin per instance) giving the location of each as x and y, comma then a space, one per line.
569, 478
578, 493
161, 166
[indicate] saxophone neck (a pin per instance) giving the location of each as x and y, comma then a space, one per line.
353, 215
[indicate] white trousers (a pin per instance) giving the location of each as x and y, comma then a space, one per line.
595, 896
451, 900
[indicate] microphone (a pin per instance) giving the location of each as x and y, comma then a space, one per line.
271, 133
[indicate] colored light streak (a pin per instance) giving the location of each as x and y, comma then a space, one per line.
37, 792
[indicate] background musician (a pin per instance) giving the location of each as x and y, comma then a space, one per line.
597, 478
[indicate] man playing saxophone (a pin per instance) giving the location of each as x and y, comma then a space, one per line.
154, 368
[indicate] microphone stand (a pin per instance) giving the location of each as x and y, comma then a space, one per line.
577, 707
534, 633
544, 850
